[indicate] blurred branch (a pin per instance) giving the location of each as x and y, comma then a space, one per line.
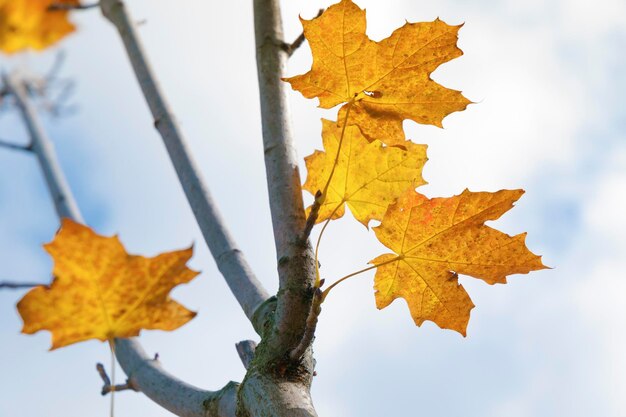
44, 149
18, 285
243, 283
15, 146
313, 214
145, 374
63, 6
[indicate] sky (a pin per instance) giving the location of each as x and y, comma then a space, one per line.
547, 78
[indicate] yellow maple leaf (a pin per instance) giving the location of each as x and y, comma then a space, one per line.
433, 240
366, 177
101, 292
384, 82
30, 24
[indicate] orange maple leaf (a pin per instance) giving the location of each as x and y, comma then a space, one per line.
101, 292
383, 82
30, 24
366, 177
433, 240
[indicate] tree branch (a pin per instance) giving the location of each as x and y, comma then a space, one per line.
43, 148
290, 48
144, 373
65, 6
18, 285
14, 146
180, 398
247, 289
246, 349
296, 269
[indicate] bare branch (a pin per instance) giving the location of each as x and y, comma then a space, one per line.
14, 146
18, 285
144, 373
43, 148
290, 48
296, 267
64, 6
245, 286
246, 349
107, 387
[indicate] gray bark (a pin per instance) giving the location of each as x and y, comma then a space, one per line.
239, 276
296, 268
166, 390
146, 374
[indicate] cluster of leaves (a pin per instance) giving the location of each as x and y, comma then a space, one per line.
33, 23
369, 166
101, 292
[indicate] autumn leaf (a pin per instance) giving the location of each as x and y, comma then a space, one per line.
367, 177
30, 24
101, 292
433, 240
384, 82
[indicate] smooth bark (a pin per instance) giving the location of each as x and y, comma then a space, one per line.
296, 268
239, 276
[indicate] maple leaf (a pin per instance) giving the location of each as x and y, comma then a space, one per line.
433, 240
101, 292
30, 24
366, 176
384, 82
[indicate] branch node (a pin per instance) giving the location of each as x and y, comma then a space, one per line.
246, 349
107, 387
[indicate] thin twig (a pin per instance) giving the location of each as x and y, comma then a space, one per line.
18, 285
15, 146
62, 6
55, 68
246, 349
290, 48
311, 325
107, 387
313, 214
42, 146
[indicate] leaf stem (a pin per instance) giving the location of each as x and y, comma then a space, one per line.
369, 268
318, 279
343, 131
323, 196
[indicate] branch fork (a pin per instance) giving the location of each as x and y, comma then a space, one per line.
108, 387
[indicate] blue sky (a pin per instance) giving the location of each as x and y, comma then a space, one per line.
547, 77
